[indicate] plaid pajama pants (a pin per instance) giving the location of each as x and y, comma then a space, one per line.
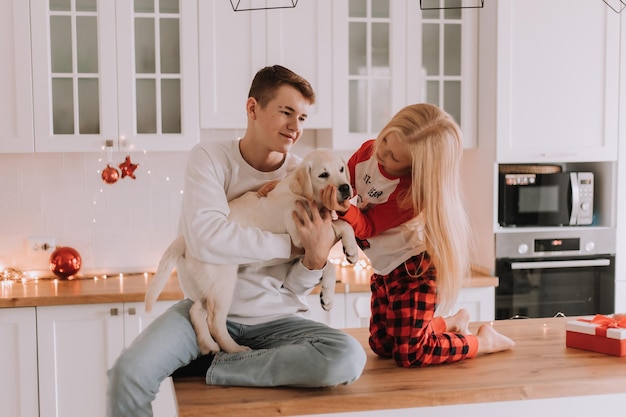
403, 326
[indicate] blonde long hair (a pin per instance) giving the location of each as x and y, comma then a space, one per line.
435, 143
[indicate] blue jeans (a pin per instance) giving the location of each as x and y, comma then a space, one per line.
287, 352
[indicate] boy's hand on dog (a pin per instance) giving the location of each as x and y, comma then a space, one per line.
316, 233
329, 199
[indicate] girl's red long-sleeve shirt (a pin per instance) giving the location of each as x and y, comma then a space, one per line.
386, 233
402, 325
377, 195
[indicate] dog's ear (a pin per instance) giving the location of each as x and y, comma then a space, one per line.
301, 184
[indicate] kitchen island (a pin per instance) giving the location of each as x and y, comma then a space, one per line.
539, 376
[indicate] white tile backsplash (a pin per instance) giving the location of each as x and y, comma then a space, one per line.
123, 226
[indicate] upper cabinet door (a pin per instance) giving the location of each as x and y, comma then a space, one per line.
157, 74
74, 74
234, 45
449, 65
388, 54
16, 106
122, 71
558, 81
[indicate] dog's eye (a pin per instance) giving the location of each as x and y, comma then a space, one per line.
324, 175
341, 170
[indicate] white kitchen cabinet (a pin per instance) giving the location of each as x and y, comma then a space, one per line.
77, 345
335, 317
135, 320
478, 301
557, 81
389, 54
121, 71
18, 350
16, 105
358, 309
235, 45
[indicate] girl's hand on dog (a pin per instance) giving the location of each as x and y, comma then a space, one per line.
329, 199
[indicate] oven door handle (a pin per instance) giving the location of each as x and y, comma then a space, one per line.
574, 263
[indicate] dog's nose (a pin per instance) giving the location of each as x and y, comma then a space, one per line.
344, 192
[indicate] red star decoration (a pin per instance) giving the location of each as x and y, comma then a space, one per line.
128, 168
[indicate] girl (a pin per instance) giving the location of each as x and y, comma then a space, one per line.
410, 222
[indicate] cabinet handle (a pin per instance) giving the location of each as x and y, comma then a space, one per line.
132, 311
114, 311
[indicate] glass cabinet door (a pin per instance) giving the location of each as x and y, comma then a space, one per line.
389, 54
157, 74
157, 67
369, 68
74, 84
108, 70
449, 62
369, 77
74, 66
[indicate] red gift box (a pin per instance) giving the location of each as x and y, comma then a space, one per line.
603, 334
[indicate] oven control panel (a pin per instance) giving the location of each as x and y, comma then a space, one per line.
554, 243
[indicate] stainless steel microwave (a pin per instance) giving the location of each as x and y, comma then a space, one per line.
554, 199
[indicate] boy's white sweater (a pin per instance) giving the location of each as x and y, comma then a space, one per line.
217, 173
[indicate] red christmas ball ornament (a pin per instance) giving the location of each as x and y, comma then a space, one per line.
110, 175
65, 262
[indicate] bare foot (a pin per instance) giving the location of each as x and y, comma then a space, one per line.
490, 341
458, 322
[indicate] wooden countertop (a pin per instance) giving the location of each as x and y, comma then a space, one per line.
112, 289
132, 288
539, 367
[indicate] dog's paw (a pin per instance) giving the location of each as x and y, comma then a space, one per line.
352, 254
326, 301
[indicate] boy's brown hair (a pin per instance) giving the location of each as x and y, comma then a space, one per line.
268, 80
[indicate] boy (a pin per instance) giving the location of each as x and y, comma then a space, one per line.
269, 301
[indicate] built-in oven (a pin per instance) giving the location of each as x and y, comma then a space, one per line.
545, 273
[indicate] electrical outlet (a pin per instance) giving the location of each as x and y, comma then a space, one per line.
38, 245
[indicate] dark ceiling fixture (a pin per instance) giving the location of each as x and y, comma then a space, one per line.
616, 5
249, 5
451, 4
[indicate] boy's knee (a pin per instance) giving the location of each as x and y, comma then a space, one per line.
348, 364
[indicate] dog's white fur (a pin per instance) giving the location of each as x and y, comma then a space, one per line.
211, 286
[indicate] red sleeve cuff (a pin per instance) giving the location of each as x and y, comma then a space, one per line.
350, 215
473, 346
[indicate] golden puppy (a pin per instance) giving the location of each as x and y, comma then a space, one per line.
211, 286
